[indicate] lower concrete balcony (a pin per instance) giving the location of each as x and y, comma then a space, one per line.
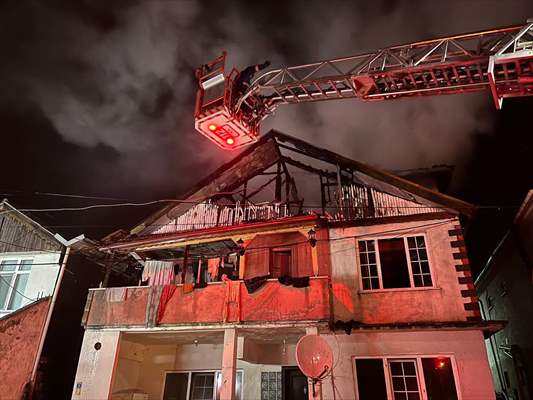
217, 303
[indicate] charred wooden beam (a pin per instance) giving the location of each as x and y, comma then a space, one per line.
308, 168
264, 185
330, 157
251, 162
278, 183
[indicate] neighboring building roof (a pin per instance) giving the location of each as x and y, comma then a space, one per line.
275, 147
19, 232
522, 226
437, 177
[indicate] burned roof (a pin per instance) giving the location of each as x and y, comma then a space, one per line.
279, 160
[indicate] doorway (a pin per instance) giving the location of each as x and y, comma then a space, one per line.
294, 384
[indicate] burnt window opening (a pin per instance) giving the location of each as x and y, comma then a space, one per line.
394, 269
371, 384
280, 262
405, 378
394, 263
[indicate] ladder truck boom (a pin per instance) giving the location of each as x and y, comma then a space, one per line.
500, 60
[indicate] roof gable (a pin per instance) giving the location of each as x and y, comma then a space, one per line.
278, 153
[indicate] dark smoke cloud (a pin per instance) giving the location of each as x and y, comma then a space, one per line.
122, 77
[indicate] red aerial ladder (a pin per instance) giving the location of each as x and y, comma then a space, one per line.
498, 59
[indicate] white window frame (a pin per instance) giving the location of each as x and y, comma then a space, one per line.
11, 284
419, 372
189, 373
412, 286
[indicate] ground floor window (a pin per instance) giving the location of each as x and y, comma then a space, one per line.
412, 378
197, 385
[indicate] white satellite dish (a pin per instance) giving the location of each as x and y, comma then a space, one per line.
314, 357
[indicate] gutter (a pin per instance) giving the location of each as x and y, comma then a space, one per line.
63, 264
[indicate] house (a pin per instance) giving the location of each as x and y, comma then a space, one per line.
505, 289
30, 259
43, 283
288, 240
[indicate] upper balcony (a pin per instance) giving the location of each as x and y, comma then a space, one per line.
218, 303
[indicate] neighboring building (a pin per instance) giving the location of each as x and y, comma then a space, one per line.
43, 284
30, 259
285, 240
505, 288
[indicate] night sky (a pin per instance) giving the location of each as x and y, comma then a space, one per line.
97, 100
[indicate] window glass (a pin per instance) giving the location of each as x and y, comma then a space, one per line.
368, 262
8, 265
438, 374
18, 291
404, 379
419, 261
371, 379
394, 269
202, 385
5, 282
25, 265
176, 386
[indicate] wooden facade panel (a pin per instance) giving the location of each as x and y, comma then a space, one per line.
258, 254
17, 235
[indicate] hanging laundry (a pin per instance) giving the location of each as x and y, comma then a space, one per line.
254, 284
187, 288
212, 268
166, 295
116, 294
199, 275
232, 258
297, 282
158, 272
233, 300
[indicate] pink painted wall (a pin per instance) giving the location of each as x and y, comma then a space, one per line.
467, 348
441, 303
272, 302
200, 305
275, 302
20, 333
214, 303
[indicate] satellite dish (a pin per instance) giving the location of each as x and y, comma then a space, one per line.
314, 356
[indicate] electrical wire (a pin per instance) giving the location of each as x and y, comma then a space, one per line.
15, 289
193, 202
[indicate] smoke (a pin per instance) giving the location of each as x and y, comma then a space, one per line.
122, 77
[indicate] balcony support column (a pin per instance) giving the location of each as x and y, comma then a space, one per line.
229, 364
242, 260
314, 260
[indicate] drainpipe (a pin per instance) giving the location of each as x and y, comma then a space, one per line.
495, 354
63, 262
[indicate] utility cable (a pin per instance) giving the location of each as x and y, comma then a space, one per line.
15, 289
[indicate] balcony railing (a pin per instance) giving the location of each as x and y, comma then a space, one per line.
358, 202
217, 303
